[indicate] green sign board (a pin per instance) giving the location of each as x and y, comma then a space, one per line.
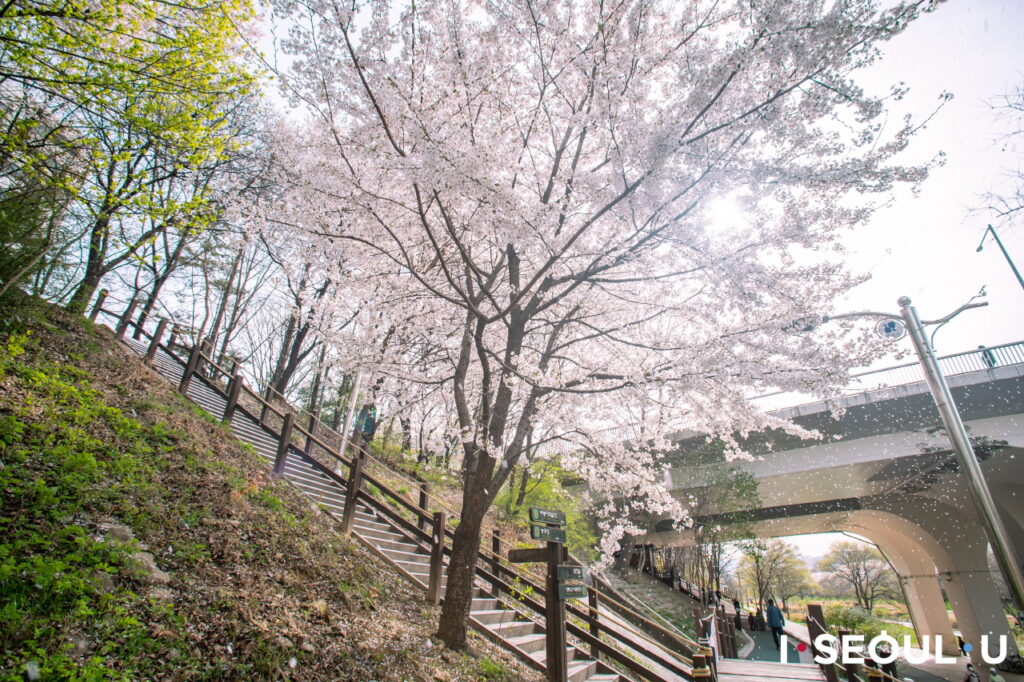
547, 533
572, 591
552, 516
570, 573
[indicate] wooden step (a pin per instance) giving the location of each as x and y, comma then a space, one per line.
514, 628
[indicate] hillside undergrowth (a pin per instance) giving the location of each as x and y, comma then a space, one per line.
140, 541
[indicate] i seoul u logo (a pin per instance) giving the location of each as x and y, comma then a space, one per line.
851, 649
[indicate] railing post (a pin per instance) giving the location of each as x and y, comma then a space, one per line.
173, 338
421, 522
730, 627
309, 433
816, 627
126, 318
494, 561
435, 588
266, 404
190, 369
355, 480
154, 345
701, 670
98, 305
234, 390
851, 670
284, 443
595, 629
205, 348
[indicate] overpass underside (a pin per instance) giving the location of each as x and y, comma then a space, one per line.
884, 470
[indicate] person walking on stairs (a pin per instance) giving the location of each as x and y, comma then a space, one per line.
775, 621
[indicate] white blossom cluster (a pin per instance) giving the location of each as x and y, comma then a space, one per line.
519, 205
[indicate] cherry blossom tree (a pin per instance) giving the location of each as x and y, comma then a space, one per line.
592, 219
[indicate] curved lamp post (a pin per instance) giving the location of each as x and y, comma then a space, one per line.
976, 485
981, 245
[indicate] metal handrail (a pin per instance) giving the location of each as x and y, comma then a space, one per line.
1007, 354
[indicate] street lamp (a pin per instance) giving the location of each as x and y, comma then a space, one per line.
995, 531
981, 245
976, 485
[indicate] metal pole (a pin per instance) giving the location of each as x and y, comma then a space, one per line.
980, 495
1006, 255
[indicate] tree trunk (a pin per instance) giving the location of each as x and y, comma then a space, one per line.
458, 594
158, 284
524, 479
93, 265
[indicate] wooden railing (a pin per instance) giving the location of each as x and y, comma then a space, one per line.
618, 640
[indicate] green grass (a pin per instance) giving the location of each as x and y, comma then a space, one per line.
57, 472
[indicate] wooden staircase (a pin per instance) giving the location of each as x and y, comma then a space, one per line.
508, 603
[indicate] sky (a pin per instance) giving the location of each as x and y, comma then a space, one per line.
924, 246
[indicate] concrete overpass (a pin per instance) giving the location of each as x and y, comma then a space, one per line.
885, 471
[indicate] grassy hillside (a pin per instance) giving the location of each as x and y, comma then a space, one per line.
139, 541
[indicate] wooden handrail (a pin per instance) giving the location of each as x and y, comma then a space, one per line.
213, 364
618, 655
407, 525
512, 570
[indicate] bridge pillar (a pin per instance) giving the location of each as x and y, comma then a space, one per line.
928, 610
916, 570
953, 539
978, 610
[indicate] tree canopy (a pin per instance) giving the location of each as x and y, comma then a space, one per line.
528, 202
863, 569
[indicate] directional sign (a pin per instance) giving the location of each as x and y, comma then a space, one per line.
547, 533
572, 591
528, 556
552, 516
570, 573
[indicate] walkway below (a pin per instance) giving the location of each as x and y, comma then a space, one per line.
675, 607
764, 649
734, 670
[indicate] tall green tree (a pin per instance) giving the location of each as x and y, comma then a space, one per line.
135, 91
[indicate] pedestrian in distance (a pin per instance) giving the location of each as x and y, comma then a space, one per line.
775, 621
994, 676
970, 675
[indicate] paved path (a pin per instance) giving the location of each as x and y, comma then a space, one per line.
764, 649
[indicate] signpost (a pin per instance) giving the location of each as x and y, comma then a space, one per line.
547, 533
572, 591
570, 572
547, 525
552, 516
